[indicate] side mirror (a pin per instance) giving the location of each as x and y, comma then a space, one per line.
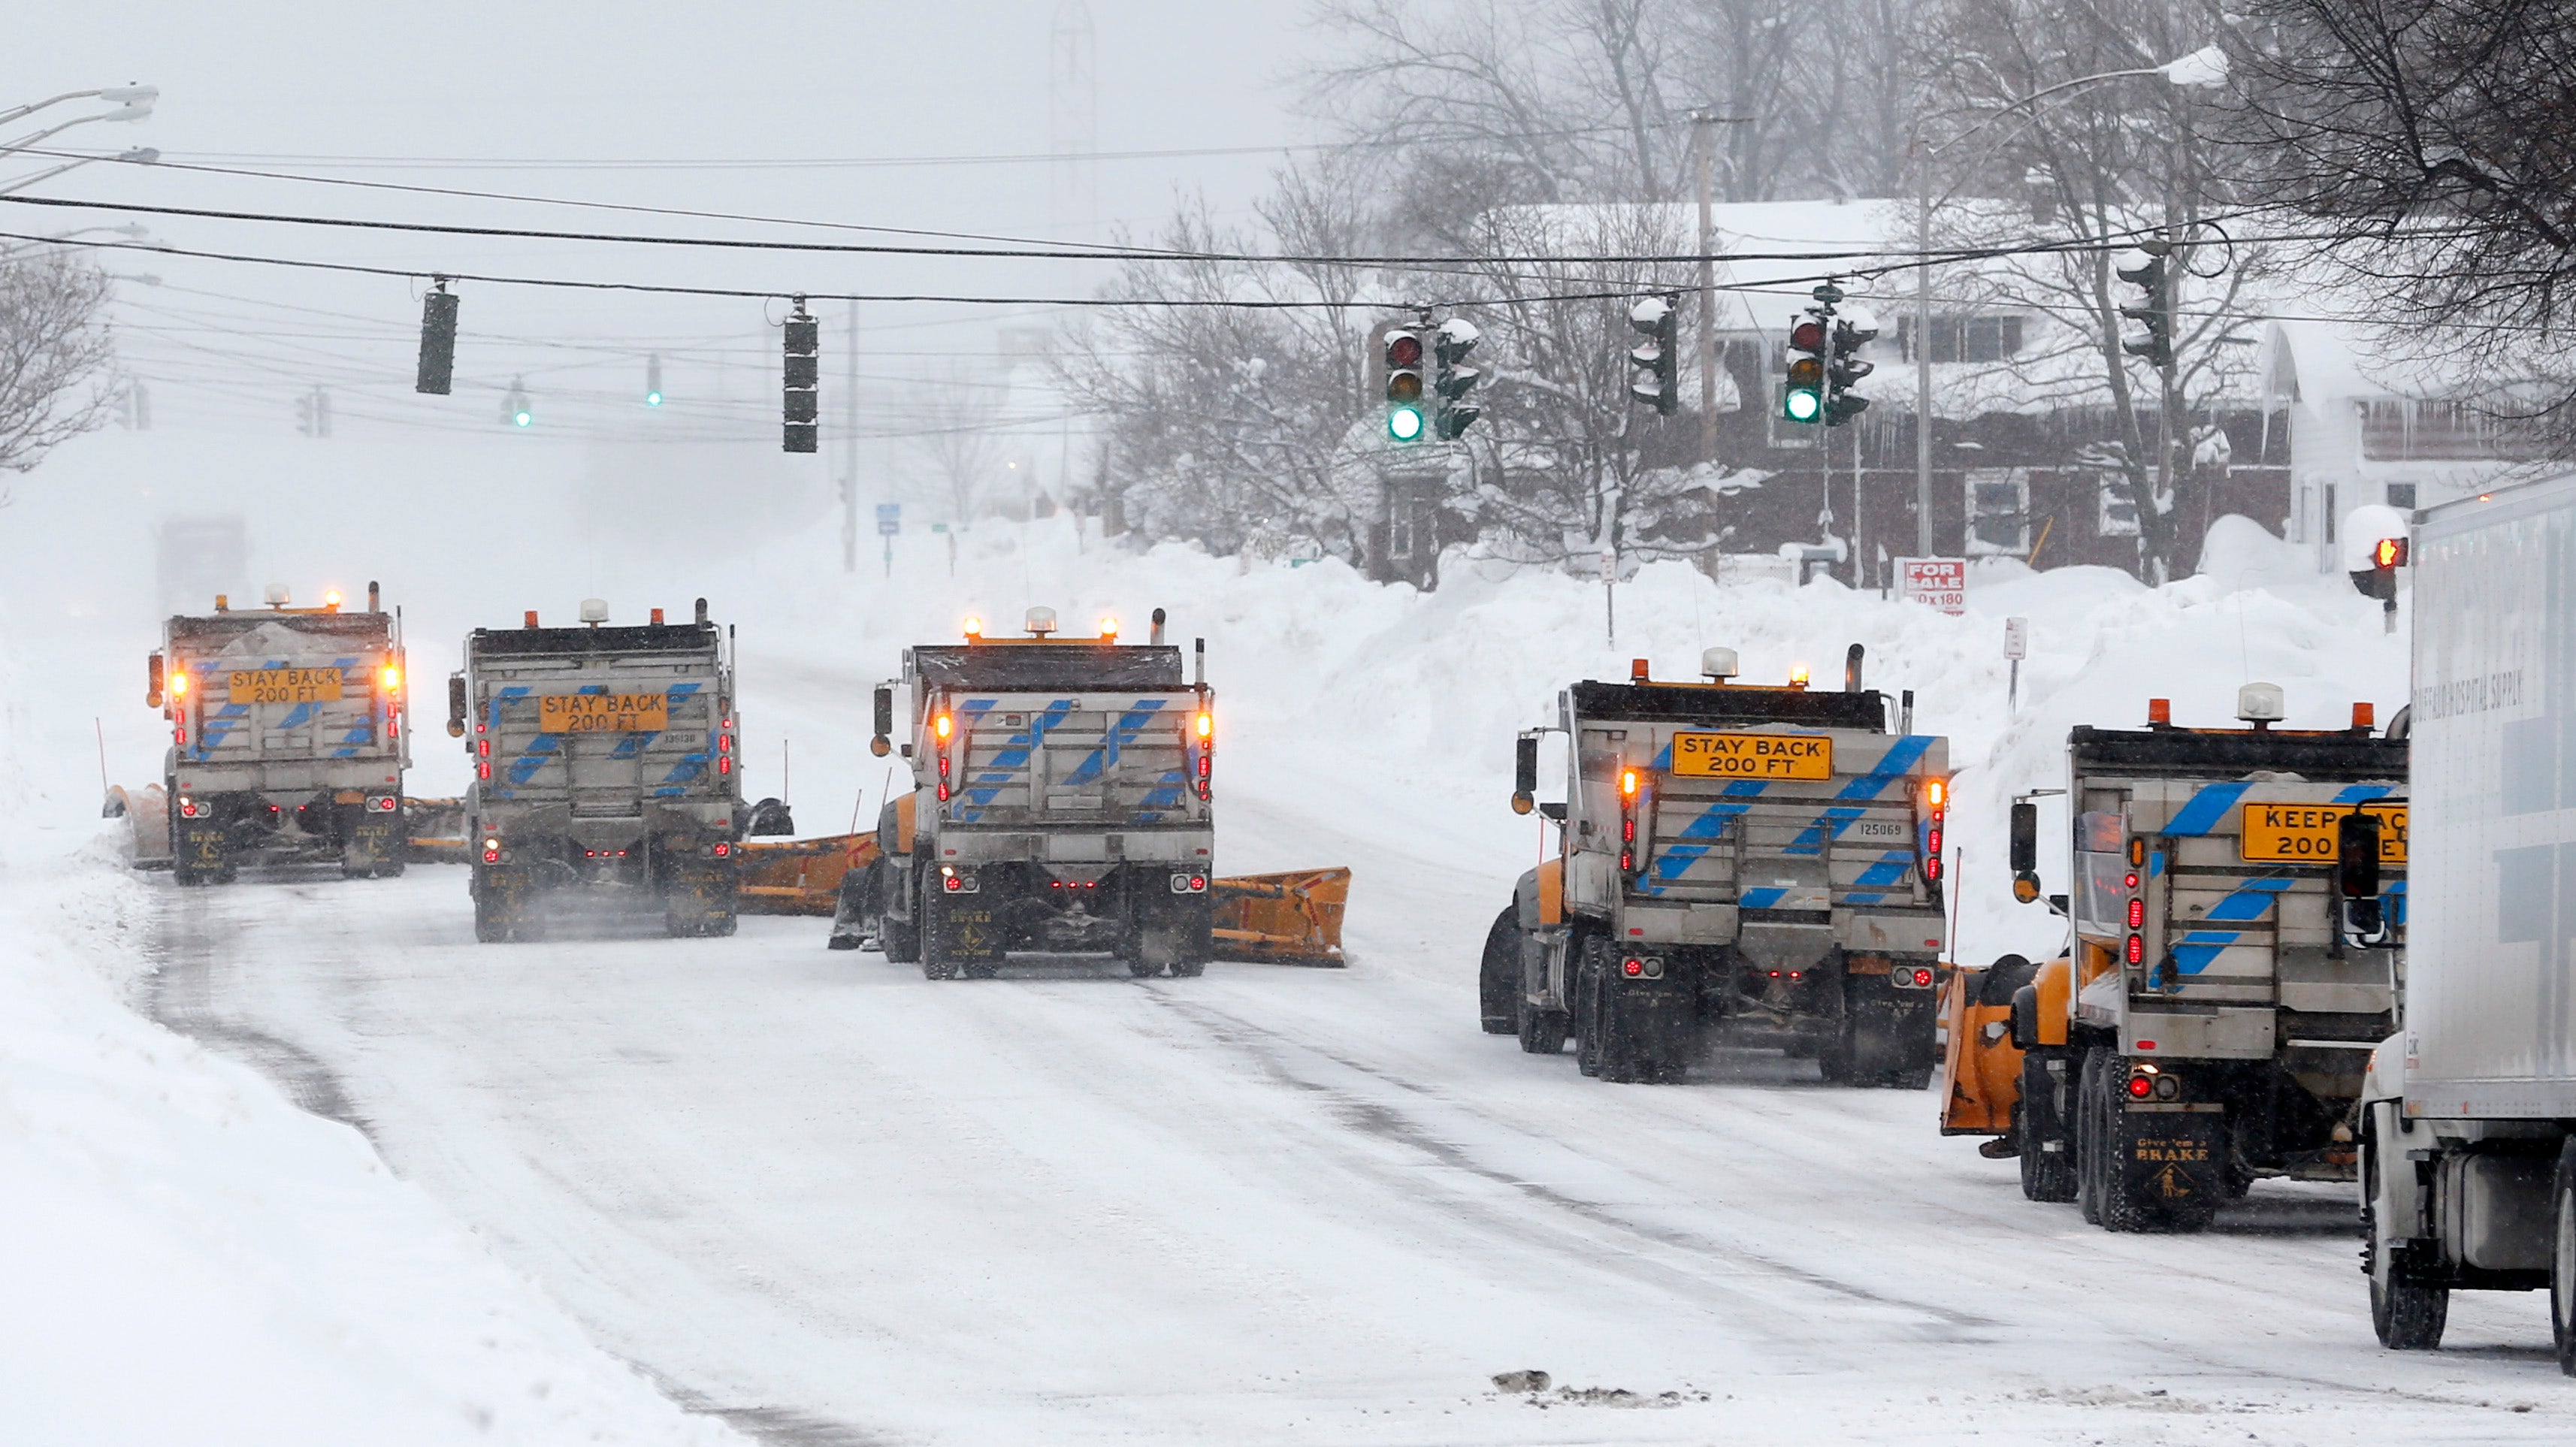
456, 705
2357, 855
1524, 773
2025, 840
152, 686
882, 744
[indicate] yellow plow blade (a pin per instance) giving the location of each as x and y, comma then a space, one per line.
1293, 918
437, 831
799, 876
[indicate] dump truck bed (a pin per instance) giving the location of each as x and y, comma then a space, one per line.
599, 718
284, 692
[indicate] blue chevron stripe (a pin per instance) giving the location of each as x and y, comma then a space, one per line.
2207, 809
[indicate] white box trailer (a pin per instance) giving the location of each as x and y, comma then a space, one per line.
2469, 1136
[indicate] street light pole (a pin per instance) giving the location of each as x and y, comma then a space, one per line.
2206, 66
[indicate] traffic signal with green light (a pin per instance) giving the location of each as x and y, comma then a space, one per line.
514, 408
653, 380
1405, 421
1803, 399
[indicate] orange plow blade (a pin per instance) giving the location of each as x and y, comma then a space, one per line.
1292, 919
799, 876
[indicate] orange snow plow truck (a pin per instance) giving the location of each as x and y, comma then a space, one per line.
2238, 912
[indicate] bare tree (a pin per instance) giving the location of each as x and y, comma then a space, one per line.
2434, 138
2097, 167
55, 351
954, 434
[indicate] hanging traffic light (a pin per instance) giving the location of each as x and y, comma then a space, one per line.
2144, 267
1850, 333
514, 408
804, 380
437, 341
304, 421
1404, 419
653, 380
1452, 379
1803, 399
1655, 363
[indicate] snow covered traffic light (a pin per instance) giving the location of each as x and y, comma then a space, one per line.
1405, 421
1655, 376
514, 408
2144, 267
437, 341
804, 380
1452, 379
1850, 333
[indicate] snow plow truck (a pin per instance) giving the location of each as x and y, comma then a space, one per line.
1061, 804
606, 772
288, 741
2238, 913
1757, 864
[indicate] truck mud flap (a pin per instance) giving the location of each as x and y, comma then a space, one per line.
2174, 1161
966, 929
200, 847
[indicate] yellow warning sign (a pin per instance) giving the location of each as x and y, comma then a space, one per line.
2305, 833
1753, 756
603, 713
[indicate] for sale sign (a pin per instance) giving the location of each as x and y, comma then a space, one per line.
1941, 582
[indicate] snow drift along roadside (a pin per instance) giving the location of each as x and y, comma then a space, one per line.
192, 1259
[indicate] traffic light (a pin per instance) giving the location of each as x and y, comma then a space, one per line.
2144, 267
1803, 399
653, 380
304, 415
1850, 333
804, 380
514, 408
1404, 419
437, 341
1452, 379
1656, 376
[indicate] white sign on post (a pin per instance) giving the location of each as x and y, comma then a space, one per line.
1941, 582
2016, 639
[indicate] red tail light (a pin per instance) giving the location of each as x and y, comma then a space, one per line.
723, 850
1932, 856
2137, 949
2137, 914
953, 884
1632, 968
2141, 1086
483, 770
1922, 977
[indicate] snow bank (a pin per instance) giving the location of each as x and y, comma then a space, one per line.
190, 1258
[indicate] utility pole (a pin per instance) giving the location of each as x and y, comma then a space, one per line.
850, 453
1923, 353
1703, 142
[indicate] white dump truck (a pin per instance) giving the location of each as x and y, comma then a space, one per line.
1759, 862
2468, 1148
1061, 803
606, 771
288, 738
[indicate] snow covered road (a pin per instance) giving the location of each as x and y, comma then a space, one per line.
832, 1201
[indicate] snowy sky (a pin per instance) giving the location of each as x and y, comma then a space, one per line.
584, 80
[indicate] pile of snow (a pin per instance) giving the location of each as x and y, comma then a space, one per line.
190, 1258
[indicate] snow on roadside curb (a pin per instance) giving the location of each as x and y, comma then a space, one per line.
190, 1258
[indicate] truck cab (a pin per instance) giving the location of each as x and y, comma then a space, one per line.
288, 737
2237, 921
1061, 804
1761, 862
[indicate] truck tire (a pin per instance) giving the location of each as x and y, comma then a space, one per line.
2046, 1174
488, 927
2562, 1259
2405, 1314
1542, 1032
899, 938
1497, 972
934, 962
2088, 1139
1590, 1038
2116, 1205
